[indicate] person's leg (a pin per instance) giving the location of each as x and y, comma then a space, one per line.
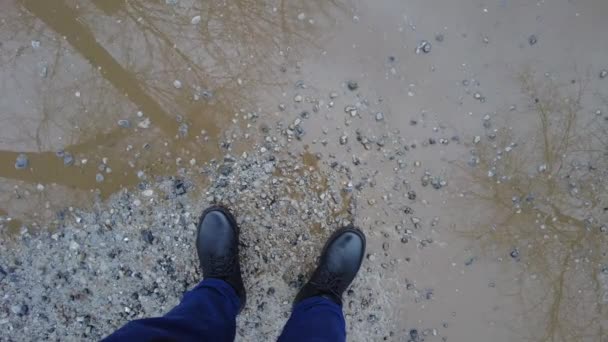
317, 312
315, 319
206, 313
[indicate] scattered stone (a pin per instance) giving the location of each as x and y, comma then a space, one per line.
350, 109
124, 123
414, 337
423, 46
486, 121
425, 179
179, 187
269, 168
343, 140
478, 96
603, 73
514, 253
21, 162
74, 246
68, 159
379, 116
532, 39
183, 130
411, 195
352, 85
20, 309
438, 183
195, 20
43, 69
473, 161
177, 84
476, 139
470, 261
99, 178
225, 169
144, 124
146, 234
298, 98
148, 193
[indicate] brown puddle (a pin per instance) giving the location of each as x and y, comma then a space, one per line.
181, 85
543, 209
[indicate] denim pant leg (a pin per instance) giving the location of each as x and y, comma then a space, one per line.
315, 319
206, 313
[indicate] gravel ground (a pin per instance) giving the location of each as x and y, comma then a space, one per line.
134, 256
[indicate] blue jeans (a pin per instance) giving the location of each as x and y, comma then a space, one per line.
208, 313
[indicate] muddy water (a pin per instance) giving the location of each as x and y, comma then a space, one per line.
518, 247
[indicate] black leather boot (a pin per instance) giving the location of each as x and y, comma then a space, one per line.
218, 251
341, 259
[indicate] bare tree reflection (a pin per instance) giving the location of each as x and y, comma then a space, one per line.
547, 208
82, 66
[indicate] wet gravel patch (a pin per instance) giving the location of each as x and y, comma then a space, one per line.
133, 256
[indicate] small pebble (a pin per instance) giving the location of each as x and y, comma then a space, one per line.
195, 20
68, 159
22, 162
350, 109
352, 85
603, 73
99, 178
177, 84
144, 124
514, 253
379, 116
532, 40
124, 123
424, 46
146, 234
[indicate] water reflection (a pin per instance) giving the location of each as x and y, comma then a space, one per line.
174, 73
545, 205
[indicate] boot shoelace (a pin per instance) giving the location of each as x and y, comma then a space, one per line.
328, 281
222, 266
